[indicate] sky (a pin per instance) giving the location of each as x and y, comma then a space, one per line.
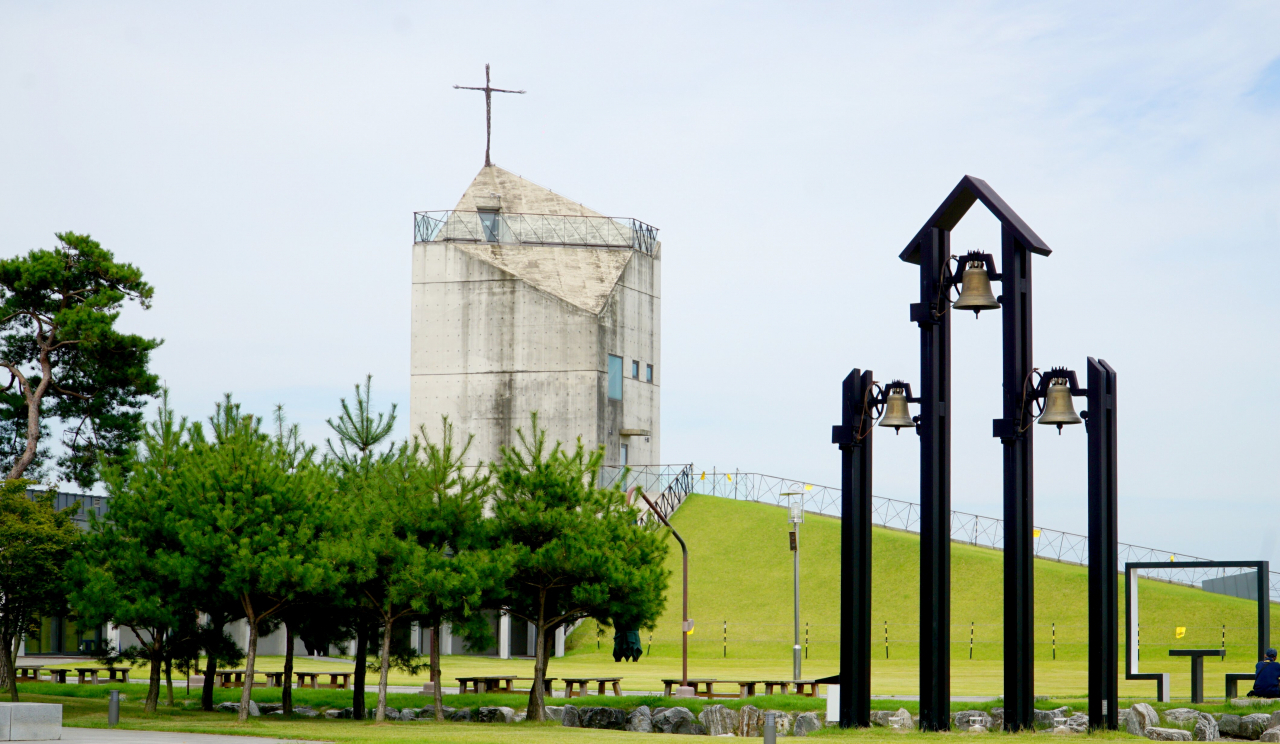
260, 162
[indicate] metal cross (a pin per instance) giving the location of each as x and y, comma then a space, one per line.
488, 108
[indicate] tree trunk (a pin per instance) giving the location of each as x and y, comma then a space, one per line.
168, 677
210, 671
286, 694
153, 689
250, 656
8, 664
357, 686
33, 399
437, 694
536, 710
382, 674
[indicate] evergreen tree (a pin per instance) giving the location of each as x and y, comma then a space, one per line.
257, 518
578, 550
36, 541
58, 312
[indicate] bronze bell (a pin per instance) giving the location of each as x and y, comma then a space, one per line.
896, 413
1059, 409
975, 290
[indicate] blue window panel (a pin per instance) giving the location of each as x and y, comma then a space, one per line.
615, 377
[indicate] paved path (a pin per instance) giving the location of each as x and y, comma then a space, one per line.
124, 736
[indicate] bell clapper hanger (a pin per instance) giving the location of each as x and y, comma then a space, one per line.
1059, 408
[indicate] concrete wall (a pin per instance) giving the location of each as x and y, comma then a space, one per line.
490, 346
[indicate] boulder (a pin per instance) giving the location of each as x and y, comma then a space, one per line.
997, 719
1275, 720
569, 716
1206, 728
305, 712
554, 712
1180, 715
640, 720
461, 715
408, 714
269, 708
1078, 723
658, 711
880, 717
904, 719
719, 720
1155, 733
962, 720
391, 714
674, 721
1141, 717
1045, 717
806, 723
1252, 702
614, 719
749, 723
496, 714
429, 714
229, 708
1244, 727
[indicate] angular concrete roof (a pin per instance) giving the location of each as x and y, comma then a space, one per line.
519, 195
582, 277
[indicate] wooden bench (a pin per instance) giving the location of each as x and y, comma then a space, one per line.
1233, 680
708, 686
337, 680
805, 687
581, 683
486, 683
29, 672
93, 672
546, 683
236, 678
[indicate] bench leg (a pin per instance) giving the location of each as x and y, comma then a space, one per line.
617, 689
1231, 689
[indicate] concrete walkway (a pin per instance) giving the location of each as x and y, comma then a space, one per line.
124, 736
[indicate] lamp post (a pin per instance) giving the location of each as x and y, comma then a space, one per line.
796, 517
686, 625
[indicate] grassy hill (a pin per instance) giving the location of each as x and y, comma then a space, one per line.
741, 597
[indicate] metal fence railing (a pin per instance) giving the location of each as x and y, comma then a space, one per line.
524, 229
666, 485
972, 529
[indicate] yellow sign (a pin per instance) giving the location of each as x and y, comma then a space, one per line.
1171, 559
729, 477
1180, 632
808, 486
1035, 533
704, 475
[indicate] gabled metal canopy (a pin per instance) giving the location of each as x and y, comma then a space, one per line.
954, 207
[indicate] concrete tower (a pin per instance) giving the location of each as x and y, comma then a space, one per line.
526, 301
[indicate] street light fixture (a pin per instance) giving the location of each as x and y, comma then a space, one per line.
797, 516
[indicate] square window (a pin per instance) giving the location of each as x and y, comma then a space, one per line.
648, 373
635, 369
615, 377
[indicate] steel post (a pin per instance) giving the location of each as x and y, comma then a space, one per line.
855, 550
1015, 432
795, 578
935, 481
1104, 551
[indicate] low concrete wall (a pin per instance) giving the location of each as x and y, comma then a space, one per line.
30, 721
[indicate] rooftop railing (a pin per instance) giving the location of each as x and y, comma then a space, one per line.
534, 229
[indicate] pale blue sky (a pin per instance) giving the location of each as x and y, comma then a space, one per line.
261, 163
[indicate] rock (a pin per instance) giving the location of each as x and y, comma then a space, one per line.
749, 723
1141, 717
904, 719
1155, 733
640, 720
1229, 724
781, 720
429, 714
1078, 723
595, 717
1271, 734
878, 717
407, 714
1253, 725
1045, 717
253, 709
1181, 715
496, 714
391, 714
1252, 702
519, 717
674, 721
961, 721
305, 712
1206, 728
806, 723
227, 707
719, 720
554, 712
569, 716
461, 714
1275, 720
269, 708
997, 719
